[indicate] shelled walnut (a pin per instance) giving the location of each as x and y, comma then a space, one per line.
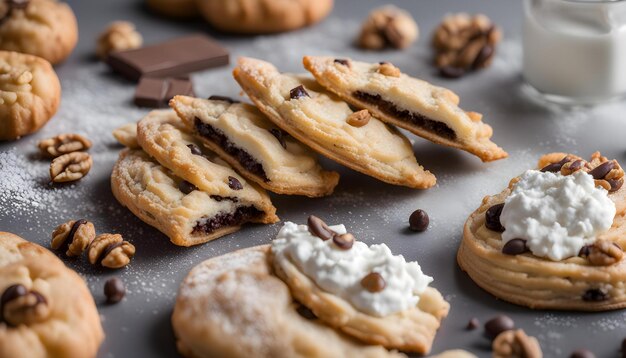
118, 36
110, 250
388, 26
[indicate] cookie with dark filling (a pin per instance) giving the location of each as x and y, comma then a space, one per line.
426, 110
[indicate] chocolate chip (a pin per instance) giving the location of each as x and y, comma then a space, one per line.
305, 312
195, 150
451, 72
483, 56
472, 324
615, 184
342, 61
585, 251
555, 167
514, 247
497, 325
12, 292
186, 187
114, 290
373, 282
279, 136
318, 227
223, 98
18, 4
418, 221
492, 218
594, 295
298, 92
344, 241
582, 353
576, 165
234, 183
602, 170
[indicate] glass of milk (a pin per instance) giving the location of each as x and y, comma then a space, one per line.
575, 50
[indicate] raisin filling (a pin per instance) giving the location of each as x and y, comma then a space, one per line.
244, 158
241, 215
438, 128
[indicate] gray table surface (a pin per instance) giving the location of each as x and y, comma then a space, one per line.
95, 101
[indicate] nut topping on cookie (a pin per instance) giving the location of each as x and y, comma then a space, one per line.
344, 241
555, 167
110, 250
388, 69
70, 167
318, 227
234, 183
73, 237
373, 282
63, 144
359, 119
602, 253
298, 92
19, 306
516, 344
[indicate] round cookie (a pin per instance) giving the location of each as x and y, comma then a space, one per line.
263, 16
174, 8
61, 319
30, 94
44, 28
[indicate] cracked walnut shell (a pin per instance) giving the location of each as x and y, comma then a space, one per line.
70, 167
388, 26
74, 236
110, 250
63, 144
118, 36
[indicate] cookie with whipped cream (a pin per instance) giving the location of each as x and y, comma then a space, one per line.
356, 139
364, 291
234, 306
252, 144
46, 309
426, 110
554, 238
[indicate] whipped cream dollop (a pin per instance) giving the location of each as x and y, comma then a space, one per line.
340, 271
556, 214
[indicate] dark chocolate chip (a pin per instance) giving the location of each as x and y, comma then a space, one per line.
279, 136
594, 295
514, 247
615, 184
195, 150
497, 325
555, 167
342, 61
186, 187
223, 98
298, 92
582, 353
418, 221
451, 72
228, 198
241, 215
18, 4
584, 251
472, 324
234, 183
318, 227
492, 218
483, 56
305, 312
114, 290
373, 282
12, 292
344, 241
602, 170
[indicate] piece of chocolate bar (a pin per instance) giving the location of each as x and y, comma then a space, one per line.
172, 58
156, 92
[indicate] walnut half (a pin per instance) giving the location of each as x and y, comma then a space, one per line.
110, 250
388, 26
515, 344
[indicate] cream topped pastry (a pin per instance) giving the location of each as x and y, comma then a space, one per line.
557, 215
371, 278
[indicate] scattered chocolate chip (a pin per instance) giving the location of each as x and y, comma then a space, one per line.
473, 324
234, 183
615, 184
279, 136
602, 170
223, 98
318, 227
373, 282
594, 295
483, 56
492, 218
298, 92
114, 290
514, 247
195, 150
451, 72
497, 325
186, 187
418, 221
305, 312
342, 61
344, 241
582, 353
555, 167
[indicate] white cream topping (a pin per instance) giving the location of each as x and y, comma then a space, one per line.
556, 214
340, 271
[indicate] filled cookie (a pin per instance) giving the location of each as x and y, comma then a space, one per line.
46, 309
358, 140
234, 306
44, 28
263, 16
554, 238
30, 94
252, 144
364, 291
429, 111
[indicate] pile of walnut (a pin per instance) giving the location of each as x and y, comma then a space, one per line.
464, 43
70, 162
106, 250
